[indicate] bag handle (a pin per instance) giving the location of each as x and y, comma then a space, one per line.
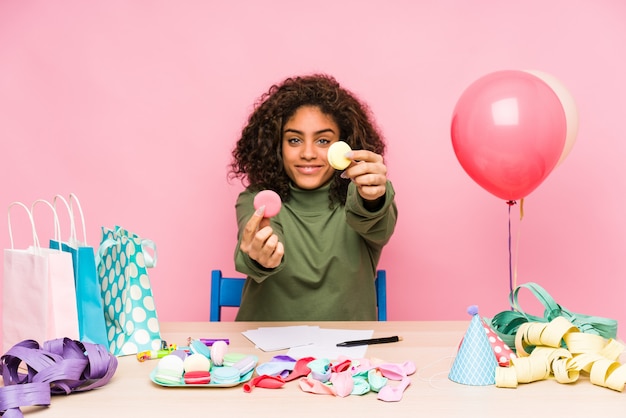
73, 240
32, 224
150, 258
57, 224
102, 249
74, 199
72, 237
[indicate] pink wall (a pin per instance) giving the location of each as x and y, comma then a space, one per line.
135, 106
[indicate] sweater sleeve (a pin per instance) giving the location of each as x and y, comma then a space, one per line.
375, 227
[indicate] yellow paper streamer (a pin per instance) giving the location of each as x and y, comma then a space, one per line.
560, 350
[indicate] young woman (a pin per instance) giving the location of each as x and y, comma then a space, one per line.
317, 259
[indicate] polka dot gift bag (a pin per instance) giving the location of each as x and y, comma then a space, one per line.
129, 309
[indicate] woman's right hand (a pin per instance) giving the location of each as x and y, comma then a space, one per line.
260, 242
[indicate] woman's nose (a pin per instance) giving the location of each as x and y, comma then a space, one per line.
309, 152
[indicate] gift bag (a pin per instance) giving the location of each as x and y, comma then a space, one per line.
130, 313
91, 325
38, 298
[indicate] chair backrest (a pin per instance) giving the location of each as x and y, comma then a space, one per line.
226, 292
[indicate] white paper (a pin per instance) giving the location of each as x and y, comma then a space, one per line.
281, 338
325, 345
309, 341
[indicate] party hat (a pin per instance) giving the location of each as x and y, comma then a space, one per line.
504, 354
475, 363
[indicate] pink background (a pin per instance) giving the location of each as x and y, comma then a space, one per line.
136, 105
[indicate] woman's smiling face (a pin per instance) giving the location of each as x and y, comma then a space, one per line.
306, 138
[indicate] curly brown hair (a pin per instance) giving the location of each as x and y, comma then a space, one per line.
257, 156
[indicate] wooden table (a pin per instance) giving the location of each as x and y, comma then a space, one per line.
431, 345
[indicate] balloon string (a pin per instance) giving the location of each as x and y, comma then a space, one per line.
513, 265
519, 233
510, 203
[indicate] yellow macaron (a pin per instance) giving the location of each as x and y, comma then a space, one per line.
337, 155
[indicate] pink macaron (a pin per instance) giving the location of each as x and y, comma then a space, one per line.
271, 200
197, 377
218, 351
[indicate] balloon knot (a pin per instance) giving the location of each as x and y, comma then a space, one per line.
511, 202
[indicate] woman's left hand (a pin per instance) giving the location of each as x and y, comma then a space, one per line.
369, 174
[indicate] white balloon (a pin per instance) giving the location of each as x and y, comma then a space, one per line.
569, 107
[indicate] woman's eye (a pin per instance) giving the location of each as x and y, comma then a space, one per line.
293, 140
323, 141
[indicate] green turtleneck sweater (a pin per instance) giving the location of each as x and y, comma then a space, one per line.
330, 261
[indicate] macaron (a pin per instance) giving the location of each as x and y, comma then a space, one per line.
179, 353
198, 347
197, 377
218, 351
231, 358
225, 375
169, 370
196, 362
246, 364
271, 200
337, 155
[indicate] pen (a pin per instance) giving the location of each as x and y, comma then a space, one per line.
383, 340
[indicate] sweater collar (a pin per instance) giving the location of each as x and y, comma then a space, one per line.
309, 200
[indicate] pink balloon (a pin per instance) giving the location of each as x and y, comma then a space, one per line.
508, 132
